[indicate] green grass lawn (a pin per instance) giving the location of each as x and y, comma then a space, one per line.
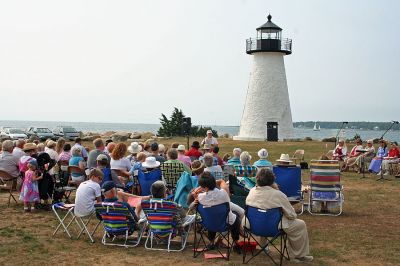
367, 233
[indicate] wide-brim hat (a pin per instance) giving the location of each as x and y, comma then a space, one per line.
135, 148
284, 158
29, 146
197, 166
150, 162
181, 148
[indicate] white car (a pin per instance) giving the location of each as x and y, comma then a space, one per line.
14, 133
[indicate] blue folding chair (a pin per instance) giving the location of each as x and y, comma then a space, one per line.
288, 179
213, 219
146, 179
267, 224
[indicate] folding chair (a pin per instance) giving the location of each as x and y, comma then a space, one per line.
217, 175
83, 223
228, 170
146, 179
9, 184
238, 191
162, 225
298, 155
62, 182
171, 173
289, 182
213, 219
68, 210
119, 221
266, 224
325, 185
246, 174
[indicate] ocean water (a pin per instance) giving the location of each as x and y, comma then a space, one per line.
300, 133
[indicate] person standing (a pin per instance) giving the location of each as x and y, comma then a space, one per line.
93, 154
210, 140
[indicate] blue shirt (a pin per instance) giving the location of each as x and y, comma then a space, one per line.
74, 161
263, 163
234, 160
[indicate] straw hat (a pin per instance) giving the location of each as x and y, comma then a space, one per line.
151, 162
197, 166
29, 146
284, 158
134, 148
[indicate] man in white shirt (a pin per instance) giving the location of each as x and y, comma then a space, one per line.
19, 145
209, 139
88, 193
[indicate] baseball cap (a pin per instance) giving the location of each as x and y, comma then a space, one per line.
154, 146
181, 148
108, 185
102, 157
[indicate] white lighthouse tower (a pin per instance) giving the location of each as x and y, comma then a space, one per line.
267, 100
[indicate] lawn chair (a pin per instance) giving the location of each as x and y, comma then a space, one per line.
238, 191
62, 189
228, 170
288, 179
217, 175
325, 185
162, 225
68, 216
298, 155
246, 175
171, 172
8, 183
266, 224
213, 219
146, 179
83, 224
119, 221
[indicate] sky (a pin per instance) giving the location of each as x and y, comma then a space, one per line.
130, 61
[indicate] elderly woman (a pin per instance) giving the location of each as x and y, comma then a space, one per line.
375, 165
340, 151
354, 153
264, 196
77, 160
51, 145
365, 157
262, 162
133, 149
393, 157
215, 170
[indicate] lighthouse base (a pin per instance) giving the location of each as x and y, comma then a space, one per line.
248, 138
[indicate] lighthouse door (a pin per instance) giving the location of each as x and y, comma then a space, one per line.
272, 131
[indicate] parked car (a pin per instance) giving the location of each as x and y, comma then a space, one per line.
66, 132
14, 133
42, 133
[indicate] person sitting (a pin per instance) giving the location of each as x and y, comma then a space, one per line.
103, 164
365, 157
65, 155
197, 168
154, 152
219, 160
235, 160
172, 156
215, 170
340, 151
209, 139
262, 162
284, 161
376, 162
79, 161
393, 157
78, 144
354, 153
193, 152
265, 197
118, 160
182, 157
93, 154
110, 146
60, 145
88, 193
151, 165
133, 149
212, 196
8, 162
18, 149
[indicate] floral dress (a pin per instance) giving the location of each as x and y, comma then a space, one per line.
29, 190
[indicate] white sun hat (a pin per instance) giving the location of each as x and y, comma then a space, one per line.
284, 158
150, 162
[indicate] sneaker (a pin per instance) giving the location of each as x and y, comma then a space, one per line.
303, 259
386, 173
379, 173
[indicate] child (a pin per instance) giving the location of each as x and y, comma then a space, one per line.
30, 191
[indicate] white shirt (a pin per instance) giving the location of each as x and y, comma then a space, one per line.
121, 164
86, 195
216, 197
211, 141
53, 155
18, 152
83, 150
215, 170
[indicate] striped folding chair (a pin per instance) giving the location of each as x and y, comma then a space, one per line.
119, 222
171, 172
163, 226
246, 174
325, 186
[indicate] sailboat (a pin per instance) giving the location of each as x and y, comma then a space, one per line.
316, 128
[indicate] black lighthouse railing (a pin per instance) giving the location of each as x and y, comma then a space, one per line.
254, 45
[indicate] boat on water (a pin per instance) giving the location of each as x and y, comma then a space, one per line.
316, 128
376, 128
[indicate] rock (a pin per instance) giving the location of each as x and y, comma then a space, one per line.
108, 134
331, 139
90, 138
135, 135
147, 135
119, 138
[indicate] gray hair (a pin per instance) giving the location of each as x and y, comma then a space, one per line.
208, 159
7, 145
245, 158
76, 151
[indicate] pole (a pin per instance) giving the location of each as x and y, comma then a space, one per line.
187, 140
336, 139
393, 122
